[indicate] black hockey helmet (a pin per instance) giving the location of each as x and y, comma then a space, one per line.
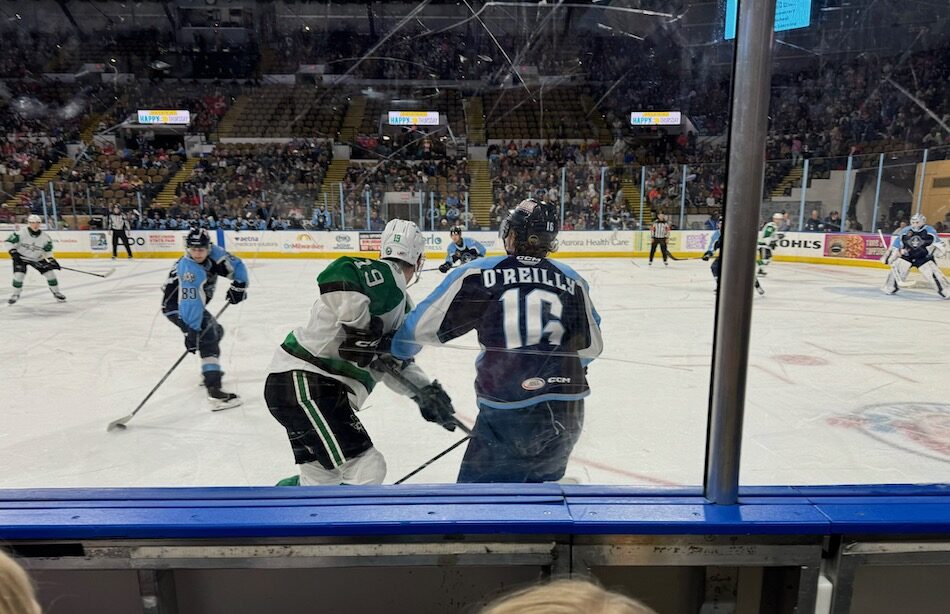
198, 237
535, 225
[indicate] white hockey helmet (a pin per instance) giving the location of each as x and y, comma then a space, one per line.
34, 219
917, 221
402, 240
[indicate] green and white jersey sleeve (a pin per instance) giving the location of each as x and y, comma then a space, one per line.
767, 234
30, 247
352, 290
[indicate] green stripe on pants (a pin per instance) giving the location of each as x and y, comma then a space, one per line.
317, 418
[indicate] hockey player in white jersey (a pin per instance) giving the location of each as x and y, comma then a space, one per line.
916, 245
33, 248
323, 372
769, 237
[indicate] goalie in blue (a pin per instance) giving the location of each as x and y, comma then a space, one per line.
462, 250
916, 245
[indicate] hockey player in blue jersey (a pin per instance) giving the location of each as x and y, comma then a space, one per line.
461, 250
539, 330
189, 287
714, 251
915, 246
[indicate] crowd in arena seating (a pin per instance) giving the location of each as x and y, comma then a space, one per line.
441, 186
236, 179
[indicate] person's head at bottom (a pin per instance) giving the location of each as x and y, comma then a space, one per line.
566, 597
16, 590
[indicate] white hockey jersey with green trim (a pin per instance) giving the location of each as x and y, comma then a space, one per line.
30, 247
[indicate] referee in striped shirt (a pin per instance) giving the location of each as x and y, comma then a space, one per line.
659, 232
119, 224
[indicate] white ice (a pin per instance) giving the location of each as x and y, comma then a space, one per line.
826, 343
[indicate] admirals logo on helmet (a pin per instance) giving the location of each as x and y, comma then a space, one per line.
189, 276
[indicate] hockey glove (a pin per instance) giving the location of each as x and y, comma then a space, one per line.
191, 340
15, 254
237, 292
436, 406
52, 265
707, 256
360, 345
445, 267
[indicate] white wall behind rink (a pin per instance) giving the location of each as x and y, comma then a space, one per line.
852, 249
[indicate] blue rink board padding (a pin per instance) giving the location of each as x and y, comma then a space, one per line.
145, 513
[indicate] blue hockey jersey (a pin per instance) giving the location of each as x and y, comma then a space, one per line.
915, 243
191, 285
534, 320
470, 250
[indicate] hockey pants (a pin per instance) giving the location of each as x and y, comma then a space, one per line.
209, 347
765, 255
531, 444
661, 243
19, 273
116, 236
327, 438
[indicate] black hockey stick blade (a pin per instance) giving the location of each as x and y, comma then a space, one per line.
121, 422
106, 274
432, 460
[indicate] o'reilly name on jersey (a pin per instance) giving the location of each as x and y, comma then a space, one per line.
528, 275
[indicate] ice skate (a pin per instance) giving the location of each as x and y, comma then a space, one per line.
13, 298
59, 295
220, 399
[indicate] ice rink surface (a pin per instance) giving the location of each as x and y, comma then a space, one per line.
846, 385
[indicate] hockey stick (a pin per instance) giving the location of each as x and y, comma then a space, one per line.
66, 268
121, 422
386, 364
432, 460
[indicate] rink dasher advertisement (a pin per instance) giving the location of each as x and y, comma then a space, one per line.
818, 248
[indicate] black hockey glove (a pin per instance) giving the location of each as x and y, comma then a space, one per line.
445, 267
237, 292
360, 345
191, 340
52, 265
15, 254
707, 256
436, 406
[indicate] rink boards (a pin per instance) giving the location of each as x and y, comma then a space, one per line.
815, 248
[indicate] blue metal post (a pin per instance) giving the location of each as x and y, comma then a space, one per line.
52, 198
367, 209
801, 204
563, 191
342, 212
846, 197
683, 197
643, 183
877, 192
920, 186
603, 174
466, 211
45, 214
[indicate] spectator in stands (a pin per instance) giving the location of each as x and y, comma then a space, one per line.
16, 591
566, 597
833, 222
814, 223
